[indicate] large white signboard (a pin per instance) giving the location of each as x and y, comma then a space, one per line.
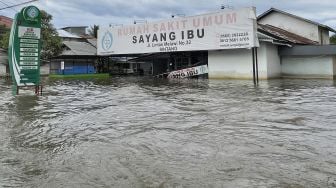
220, 30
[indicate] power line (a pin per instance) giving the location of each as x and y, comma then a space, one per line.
8, 5
18, 4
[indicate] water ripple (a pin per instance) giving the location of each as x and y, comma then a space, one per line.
139, 132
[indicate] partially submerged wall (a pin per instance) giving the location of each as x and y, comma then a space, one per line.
2, 69
237, 64
308, 67
45, 69
273, 61
334, 64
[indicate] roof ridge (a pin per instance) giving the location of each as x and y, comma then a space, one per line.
293, 15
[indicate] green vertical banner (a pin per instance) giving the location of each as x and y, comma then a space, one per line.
25, 47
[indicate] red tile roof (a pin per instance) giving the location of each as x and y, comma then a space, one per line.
6, 21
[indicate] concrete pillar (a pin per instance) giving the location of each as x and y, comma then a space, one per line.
334, 69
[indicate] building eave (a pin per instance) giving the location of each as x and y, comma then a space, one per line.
262, 37
75, 57
308, 50
74, 27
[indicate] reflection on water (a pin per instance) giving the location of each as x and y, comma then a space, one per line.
131, 132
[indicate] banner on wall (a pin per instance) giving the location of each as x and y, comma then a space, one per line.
230, 29
189, 72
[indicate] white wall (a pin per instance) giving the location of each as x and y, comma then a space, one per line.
45, 69
3, 59
238, 63
268, 61
2, 70
325, 36
230, 64
273, 61
291, 24
334, 59
262, 61
308, 67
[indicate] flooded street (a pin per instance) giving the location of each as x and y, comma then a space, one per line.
140, 132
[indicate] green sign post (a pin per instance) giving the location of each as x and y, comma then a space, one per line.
24, 49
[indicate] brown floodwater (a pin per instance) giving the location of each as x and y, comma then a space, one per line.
140, 132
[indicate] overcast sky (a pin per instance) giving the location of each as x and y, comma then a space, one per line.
105, 12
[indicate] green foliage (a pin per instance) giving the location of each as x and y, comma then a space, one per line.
333, 39
93, 31
4, 36
3, 30
51, 42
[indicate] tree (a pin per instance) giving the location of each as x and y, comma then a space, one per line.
93, 31
4, 37
3, 30
51, 42
333, 39
4, 40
